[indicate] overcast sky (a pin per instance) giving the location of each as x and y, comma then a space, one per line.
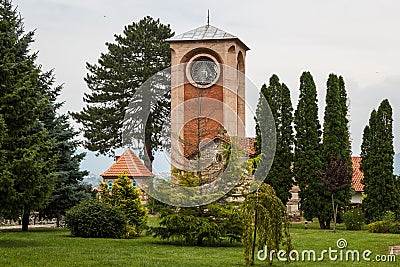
356, 39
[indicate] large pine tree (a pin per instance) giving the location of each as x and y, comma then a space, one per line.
135, 56
26, 178
377, 154
307, 157
280, 176
336, 142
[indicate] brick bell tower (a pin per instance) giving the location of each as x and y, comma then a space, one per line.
208, 89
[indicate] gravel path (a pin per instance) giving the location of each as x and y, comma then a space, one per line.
30, 226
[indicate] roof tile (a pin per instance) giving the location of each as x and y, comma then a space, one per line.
129, 163
206, 32
358, 175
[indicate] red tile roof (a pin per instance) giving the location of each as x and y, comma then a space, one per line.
129, 163
358, 175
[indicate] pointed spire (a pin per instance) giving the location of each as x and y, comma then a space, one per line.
208, 17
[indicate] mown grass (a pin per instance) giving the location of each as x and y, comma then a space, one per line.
55, 247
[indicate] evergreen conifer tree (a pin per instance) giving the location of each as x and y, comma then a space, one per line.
26, 179
307, 156
69, 189
336, 143
127, 197
377, 153
135, 56
280, 176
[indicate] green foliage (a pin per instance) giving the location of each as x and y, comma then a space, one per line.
384, 227
155, 206
307, 157
336, 178
69, 189
2, 129
389, 216
212, 222
92, 218
27, 174
353, 219
377, 152
195, 225
265, 222
280, 176
126, 197
336, 122
3, 190
336, 142
135, 56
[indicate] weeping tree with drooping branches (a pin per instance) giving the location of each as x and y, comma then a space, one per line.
265, 223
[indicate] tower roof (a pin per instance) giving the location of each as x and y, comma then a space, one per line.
129, 163
206, 32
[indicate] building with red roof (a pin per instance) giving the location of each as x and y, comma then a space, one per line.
127, 163
357, 179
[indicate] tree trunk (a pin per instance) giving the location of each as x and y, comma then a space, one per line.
148, 155
328, 224
58, 220
324, 224
321, 223
25, 221
334, 213
147, 122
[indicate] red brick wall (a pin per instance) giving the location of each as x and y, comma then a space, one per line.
210, 115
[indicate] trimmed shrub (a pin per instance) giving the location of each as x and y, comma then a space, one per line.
92, 218
353, 219
384, 227
387, 225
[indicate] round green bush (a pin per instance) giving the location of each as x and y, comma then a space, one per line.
353, 219
92, 218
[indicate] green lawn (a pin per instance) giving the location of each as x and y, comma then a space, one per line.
55, 247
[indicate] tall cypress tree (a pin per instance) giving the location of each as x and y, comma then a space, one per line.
26, 178
307, 156
137, 54
343, 101
336, 142
334, 128
377, 154
280, 176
